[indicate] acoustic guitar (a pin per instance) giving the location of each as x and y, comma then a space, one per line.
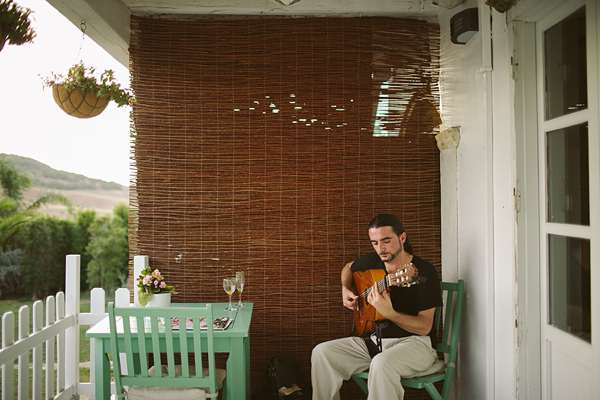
365, 315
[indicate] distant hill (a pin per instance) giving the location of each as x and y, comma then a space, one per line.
84, 192
45, 177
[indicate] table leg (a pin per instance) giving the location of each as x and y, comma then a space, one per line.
247, 355
102, 371
238, 372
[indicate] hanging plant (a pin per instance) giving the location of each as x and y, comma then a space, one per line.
82, 95
15, 26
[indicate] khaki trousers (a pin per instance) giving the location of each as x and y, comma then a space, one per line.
337, 360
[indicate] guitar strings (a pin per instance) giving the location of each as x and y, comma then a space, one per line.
380, 287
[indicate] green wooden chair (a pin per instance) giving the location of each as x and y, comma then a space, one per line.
138, 332
452, 294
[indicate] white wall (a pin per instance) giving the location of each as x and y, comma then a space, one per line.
477, 96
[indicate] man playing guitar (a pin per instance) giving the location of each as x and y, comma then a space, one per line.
404, 341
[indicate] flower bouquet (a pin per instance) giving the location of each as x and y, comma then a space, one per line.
151, 283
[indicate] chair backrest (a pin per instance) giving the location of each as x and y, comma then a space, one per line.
452, 294
141, 331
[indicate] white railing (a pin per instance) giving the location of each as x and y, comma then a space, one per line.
59, 335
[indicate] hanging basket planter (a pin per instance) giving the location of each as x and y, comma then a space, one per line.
82, 95
77, 103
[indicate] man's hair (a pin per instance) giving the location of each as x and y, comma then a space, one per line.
393, 222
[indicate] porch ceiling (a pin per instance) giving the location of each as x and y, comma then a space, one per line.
278, 7
107, 21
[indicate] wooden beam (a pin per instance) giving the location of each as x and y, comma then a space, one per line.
107, 23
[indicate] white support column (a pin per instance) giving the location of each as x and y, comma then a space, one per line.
139, 263
72, 307
448, 141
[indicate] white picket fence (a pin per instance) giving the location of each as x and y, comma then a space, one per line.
59, 335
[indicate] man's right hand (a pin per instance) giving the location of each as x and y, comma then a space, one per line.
348, 298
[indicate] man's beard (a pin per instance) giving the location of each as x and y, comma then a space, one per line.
392, 256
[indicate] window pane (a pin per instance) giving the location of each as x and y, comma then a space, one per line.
569, 280
565, 66
568, 173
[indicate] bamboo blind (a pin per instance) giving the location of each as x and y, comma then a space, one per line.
254, 150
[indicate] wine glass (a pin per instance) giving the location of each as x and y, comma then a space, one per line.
229, 287
239, 277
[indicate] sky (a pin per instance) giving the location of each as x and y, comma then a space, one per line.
32, 125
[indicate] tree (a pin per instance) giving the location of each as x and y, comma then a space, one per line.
14, 212
15, 26
109, 249
12, 181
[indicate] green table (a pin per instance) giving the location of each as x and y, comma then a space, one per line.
234, 340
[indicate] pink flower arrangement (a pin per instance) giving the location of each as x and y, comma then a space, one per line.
150, 283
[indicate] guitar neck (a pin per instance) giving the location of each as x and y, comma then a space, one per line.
382, 285
386, 282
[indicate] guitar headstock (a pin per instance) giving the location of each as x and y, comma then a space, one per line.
406, 276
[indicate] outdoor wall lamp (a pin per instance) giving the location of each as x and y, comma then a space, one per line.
464, 25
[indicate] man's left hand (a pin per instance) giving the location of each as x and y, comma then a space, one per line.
381, 302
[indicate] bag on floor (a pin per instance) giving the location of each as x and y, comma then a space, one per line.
283, 380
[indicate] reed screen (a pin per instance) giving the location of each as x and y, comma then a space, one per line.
267, 145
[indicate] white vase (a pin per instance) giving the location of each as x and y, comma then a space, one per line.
160, 300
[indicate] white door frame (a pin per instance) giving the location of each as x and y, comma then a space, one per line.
531, 289
527, 198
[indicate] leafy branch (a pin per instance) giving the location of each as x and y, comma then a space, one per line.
15, 26
82, 77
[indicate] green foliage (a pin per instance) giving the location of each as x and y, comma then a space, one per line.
12, 181
11, 220
11, 273
121, 211
11, 257
109, 248
81, 239
83, 78
13, 212
15, 26
45, 243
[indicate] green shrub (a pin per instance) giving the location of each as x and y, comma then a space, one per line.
11, 273
46, 243
109, 249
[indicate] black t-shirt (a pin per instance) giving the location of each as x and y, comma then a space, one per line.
408, 300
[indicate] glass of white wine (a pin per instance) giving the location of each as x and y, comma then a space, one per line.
239, 277
229, 287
